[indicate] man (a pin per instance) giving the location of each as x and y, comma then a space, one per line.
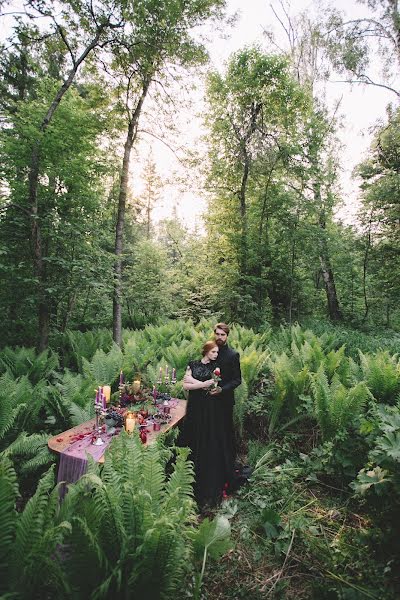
229, 363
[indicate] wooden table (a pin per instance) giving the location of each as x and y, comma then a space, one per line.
60, 442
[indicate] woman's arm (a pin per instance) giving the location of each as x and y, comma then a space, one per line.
195, 384
190, 383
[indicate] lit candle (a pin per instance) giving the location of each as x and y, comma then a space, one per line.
107, 392
130, 422
136, 386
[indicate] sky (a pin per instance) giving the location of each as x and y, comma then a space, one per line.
360, 105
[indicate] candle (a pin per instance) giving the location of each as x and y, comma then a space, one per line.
173, 379
104, 401
107, 392
136, 386
130, 422
160, 376
154, 393
167, 372
121, 378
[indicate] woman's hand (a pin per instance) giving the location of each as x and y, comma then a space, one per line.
208, 383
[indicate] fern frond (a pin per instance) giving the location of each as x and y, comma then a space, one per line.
31, 523
104, 368
153, 477
8, 518
322, 400
239, 408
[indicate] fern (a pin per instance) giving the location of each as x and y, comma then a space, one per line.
104, 368
336, 407
8, 518
382, 375
85, 345
291, 383
240, 406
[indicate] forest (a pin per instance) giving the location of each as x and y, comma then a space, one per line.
93, 285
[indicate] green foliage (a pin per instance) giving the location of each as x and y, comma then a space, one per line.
382, 430
84, 345
8, 517
123, 529
104, 367
336, 407
290, 385
382, 375
210, 539
31, 452
25, 361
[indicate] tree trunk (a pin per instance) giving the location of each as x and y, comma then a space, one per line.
243, 215
119, 228
325, 262
330, 288
365, 268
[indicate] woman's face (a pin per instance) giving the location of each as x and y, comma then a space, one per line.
213, 353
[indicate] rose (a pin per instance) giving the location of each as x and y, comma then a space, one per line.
216, 376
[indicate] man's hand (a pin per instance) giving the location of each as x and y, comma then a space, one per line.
215, 391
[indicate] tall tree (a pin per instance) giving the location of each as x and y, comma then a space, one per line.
307, 41
74, 32
380, 215
255, 118
161, 39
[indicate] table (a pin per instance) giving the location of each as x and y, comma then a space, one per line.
59, 443
74, 445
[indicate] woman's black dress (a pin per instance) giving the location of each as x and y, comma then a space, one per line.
209, 437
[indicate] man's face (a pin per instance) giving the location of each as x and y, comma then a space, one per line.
220, 336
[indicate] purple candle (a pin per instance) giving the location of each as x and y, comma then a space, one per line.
174, 374
121, 378
154, 393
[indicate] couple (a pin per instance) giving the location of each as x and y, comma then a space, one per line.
208, 426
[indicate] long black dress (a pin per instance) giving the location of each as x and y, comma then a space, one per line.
209, 437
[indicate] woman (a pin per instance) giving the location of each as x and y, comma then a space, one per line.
204, 430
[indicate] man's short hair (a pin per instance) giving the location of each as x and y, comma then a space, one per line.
222, 326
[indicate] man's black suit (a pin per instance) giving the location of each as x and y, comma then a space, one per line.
229, 363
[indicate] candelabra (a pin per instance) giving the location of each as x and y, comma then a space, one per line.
97, 439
